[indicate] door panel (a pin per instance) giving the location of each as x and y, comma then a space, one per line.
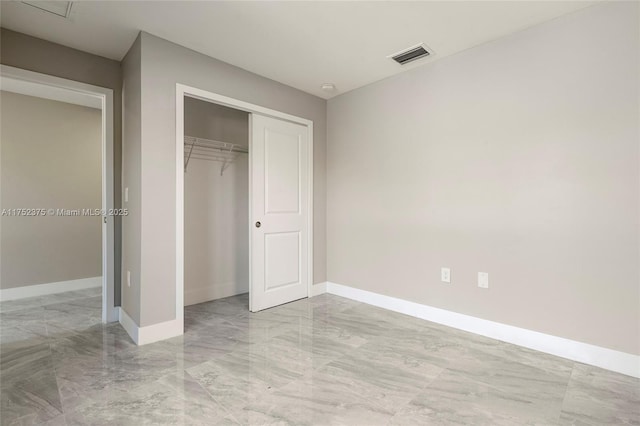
282, 172
279, 212
282, 259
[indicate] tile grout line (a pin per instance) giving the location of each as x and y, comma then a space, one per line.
55, 375
225, 409
566, 390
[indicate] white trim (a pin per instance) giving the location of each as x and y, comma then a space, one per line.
105, 97
54, 93
151, 333
212, 292
184, 90
180, 92
310, 211
215, 98
598, 356
128, 324
250, 204
109, 312
156, 332
318, 289
49, 288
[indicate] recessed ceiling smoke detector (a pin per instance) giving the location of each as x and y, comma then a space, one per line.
58, 8
328, 87
411, 54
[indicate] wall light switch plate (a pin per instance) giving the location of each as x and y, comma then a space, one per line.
483, 279
126, 195
128, 278
445, 275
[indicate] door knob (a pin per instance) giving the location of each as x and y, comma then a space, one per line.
258, 224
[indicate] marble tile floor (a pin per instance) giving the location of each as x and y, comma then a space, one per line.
319, 361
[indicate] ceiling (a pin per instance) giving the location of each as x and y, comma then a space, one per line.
301, 44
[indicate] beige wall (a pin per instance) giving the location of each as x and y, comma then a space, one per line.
163, 64
50, 158
519, 158
216, 207
34, 54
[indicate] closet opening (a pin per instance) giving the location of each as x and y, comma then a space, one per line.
216, 202
244, 204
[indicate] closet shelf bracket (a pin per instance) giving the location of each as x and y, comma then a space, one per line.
226, 163
208, 149
188, 156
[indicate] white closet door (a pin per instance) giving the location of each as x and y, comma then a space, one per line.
279, 212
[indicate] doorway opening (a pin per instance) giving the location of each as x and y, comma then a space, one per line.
57, 228
244, 210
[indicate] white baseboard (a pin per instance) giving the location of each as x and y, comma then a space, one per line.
151, 333
212, 292
49, 288
128, 324
318, 289
157, 332
598, 356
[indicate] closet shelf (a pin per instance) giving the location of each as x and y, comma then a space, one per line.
208, 149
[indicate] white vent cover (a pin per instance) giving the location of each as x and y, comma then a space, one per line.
411, 54
58, 8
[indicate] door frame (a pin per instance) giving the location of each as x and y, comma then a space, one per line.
183, 90
105, 96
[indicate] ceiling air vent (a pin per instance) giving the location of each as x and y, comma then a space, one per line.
58, 8
410, 55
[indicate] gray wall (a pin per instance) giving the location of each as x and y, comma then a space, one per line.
211, 121
131, 172
519, 158
163, 65
34, 54
51, 157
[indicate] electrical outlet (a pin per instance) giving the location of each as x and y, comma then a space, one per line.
445, 275
128, 278
483, 279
